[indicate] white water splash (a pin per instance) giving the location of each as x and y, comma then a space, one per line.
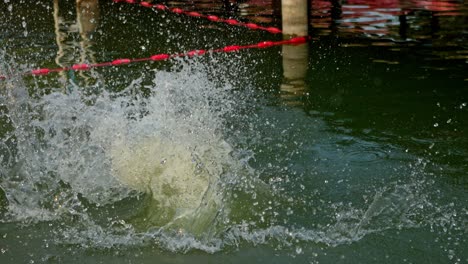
169, 145
67, 151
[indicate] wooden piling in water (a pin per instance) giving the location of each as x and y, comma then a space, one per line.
294, 15
295, 22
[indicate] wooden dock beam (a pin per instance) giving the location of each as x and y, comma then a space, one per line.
295, 20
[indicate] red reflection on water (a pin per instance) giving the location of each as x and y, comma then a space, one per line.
436, 6
431, 5
376, 17
376, 4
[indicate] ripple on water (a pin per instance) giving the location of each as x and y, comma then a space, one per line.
367, 152
363, 152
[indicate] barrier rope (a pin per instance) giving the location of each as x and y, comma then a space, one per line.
175, 10
164, 56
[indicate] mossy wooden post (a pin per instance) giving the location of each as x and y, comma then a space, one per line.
87, 16
295, 57
294, 15
87, 19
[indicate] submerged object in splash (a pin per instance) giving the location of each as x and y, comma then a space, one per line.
183, 183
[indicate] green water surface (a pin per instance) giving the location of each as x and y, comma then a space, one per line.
360, 139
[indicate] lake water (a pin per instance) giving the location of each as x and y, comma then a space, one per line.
352, 148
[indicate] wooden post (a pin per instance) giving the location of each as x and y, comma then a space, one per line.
87, 16
295, 17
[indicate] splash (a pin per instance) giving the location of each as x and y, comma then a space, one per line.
170, 167
177, 153
73, 147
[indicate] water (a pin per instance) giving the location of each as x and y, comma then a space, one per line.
352, 148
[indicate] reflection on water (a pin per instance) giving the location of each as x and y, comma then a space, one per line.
295, 64
74, 35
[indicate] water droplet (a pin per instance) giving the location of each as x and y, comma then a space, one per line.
298, 250
436, 124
